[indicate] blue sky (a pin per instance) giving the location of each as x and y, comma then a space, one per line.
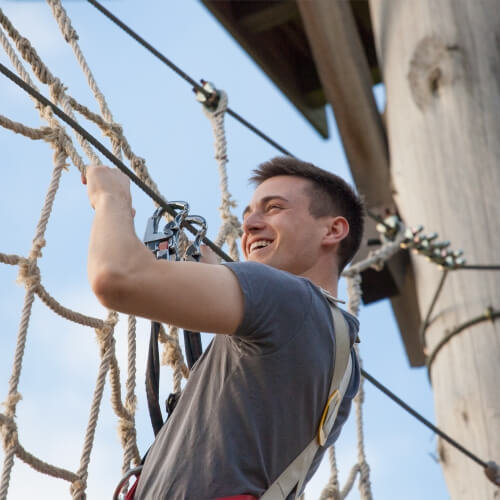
164, 124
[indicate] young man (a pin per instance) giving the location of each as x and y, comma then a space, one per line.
254, 400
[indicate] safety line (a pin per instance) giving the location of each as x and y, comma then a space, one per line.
426, 322
110, 156
489, 315
158, 199
183, 75
480, 267
422, 419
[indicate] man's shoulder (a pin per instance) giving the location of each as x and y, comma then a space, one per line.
265, 275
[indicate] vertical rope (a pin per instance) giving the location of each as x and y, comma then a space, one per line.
106, 341
230, 230
332, 489
29, 274
364, 469
131, 455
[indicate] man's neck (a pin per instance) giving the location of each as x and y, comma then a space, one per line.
328, 283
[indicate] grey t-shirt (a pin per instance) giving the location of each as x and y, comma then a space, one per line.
254, 400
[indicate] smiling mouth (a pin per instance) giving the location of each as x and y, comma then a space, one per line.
259, 245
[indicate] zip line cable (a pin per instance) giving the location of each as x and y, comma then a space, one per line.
480, 267
111, 157
423, 420
161, 202
184, 75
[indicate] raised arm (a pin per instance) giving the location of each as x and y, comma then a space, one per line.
126, 277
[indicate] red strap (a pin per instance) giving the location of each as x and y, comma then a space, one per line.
131, 492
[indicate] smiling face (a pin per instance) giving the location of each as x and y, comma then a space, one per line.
278, 228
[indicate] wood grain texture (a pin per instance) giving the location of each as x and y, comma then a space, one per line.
441, 66
347, 82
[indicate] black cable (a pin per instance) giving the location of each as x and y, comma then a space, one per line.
422, 419
110, 156
182, 74
480, 267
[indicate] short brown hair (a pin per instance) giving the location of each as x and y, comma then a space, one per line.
329, 195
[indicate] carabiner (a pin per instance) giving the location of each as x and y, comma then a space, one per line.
136, 471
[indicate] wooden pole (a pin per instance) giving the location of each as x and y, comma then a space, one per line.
441, 66
347, 82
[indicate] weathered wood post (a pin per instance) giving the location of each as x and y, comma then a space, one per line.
441, 66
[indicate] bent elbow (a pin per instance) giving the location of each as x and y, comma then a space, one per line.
109, 288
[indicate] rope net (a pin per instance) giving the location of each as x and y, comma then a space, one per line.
123, 401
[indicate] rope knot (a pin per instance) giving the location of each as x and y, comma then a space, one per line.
57, 89
36, 249
77, 489
29, 274
138, 164
131, 404
112, 130
126, 429
105, 333
58, 137
10, 403
9, 432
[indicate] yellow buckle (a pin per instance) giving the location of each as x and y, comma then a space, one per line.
321, 433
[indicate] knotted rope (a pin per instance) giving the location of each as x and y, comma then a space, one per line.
230, 230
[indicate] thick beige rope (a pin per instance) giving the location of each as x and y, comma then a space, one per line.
57, 89
29, 272
230, 230
45, 113
30, 276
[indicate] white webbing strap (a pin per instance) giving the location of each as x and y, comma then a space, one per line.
294, 475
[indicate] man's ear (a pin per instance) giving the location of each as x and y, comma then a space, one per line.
337, 230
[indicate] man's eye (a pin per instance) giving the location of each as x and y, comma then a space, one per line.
271, 207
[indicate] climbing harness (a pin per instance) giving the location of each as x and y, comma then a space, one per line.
293, 477
165, 244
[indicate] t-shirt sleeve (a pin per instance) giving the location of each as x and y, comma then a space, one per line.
276, 303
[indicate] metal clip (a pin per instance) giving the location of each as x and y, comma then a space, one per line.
175, 227
153, 238
212, 100
193, 252
124, 480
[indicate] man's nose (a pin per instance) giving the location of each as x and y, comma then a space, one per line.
253, 222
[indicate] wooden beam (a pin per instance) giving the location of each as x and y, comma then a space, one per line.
347, 82
346, 79
265, 51
274, 14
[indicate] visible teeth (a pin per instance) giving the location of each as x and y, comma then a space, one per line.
259, 244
